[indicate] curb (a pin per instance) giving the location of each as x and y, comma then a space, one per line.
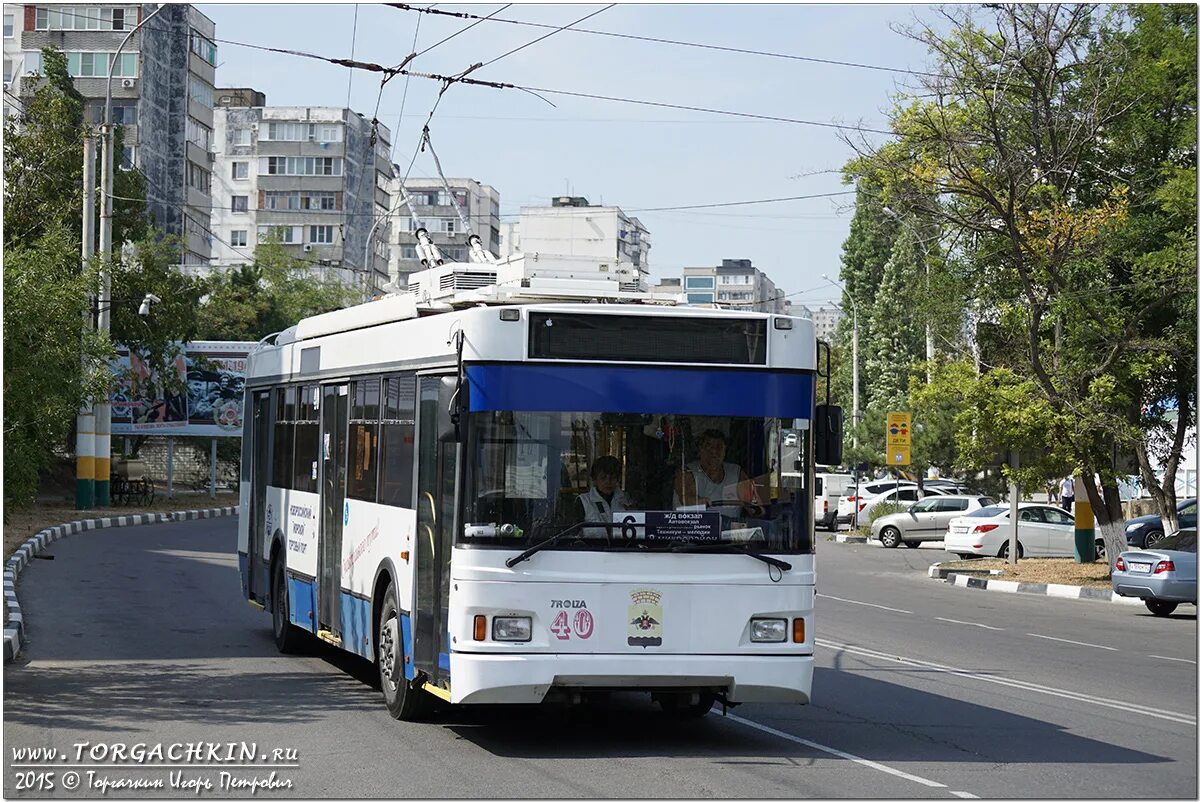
14, 630
850, 538
962, 580
939, 571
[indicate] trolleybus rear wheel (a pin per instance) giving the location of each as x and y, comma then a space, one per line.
287, 637
403, 701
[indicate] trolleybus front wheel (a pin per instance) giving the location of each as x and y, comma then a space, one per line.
403, 701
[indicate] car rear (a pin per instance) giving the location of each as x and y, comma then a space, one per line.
1163, 575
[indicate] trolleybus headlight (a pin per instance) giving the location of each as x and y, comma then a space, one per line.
518, 628
768, 630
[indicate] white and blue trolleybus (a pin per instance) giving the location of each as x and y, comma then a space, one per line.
417, 488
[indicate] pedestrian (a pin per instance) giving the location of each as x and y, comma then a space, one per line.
1067, 490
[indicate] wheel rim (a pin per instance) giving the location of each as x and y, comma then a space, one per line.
388, 638
891, 537
1152, 539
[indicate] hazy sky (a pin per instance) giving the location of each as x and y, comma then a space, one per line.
635, 157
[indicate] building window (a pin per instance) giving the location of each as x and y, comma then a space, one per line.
8, 27
199, 178
237, 238
700, 298
198, 133
199, 91
241, 203
288, 235
241, 136
127, 157
122, 113
320, 234
203, 47
84, 18
241, 170
299, 165
304, 132
699, 282
95, 65
8, 70
408, 251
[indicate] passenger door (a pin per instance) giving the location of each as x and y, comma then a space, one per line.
437, 482
920, 517
260, 476
1060, 532
1033, 532
334, 418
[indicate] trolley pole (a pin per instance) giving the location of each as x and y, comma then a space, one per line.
85, 421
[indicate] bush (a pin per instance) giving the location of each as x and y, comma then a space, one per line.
885, 508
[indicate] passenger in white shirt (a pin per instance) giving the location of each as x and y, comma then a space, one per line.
711, 480
605, 495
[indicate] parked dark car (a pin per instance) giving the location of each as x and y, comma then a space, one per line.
1145, 531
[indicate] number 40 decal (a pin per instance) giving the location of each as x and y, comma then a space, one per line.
584, 625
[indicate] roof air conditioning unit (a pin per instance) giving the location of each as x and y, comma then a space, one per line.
307, 248
128, 83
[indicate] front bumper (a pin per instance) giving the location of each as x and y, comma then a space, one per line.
526, 678
1147, 587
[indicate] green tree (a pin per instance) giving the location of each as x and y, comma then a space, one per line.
896, 340
1004, 146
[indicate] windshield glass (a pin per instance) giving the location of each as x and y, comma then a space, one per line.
635, 481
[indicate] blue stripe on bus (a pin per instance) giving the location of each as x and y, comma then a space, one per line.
302, 601
356, 625
410, 670
606, 388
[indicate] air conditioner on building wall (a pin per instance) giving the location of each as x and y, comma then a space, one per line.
128, 83
307, 248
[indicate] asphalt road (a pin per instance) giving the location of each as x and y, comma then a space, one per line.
140, 635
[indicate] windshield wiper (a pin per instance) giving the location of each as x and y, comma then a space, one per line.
738, 548
536, 547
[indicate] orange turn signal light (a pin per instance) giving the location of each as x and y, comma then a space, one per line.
480, 627
797, 630
404, 556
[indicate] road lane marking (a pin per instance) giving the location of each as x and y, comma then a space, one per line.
1176, 659
1076, 642
865, 604
970, 624
862, 761
963, 795
1151, 712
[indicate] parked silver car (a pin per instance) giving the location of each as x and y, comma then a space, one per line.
1164, 576
928, 519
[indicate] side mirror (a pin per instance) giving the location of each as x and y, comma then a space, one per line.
827, 435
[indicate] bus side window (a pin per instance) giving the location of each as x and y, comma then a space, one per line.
363, 461
285, 427
308, 442
396, 440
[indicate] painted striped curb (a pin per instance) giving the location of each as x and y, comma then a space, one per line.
850, 538
1038, 588
14, 629
943, 570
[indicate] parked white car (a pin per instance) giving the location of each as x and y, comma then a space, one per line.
856, 498
1044, 531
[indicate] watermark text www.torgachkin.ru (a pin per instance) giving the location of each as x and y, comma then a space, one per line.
236, 767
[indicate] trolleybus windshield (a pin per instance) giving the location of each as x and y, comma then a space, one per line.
529, 479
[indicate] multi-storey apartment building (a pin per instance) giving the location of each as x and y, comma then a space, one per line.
572, 227
313, 178
825, 320
735, 284
434, 208
162, 95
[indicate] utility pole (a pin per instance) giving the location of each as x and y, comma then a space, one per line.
85, 421
854, 368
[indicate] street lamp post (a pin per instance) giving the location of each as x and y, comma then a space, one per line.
104, 410
854, 379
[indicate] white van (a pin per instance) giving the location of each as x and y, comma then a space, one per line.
828, 490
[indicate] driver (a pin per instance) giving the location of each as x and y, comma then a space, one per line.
605, 495
711, 480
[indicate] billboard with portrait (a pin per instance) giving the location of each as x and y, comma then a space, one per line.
201, 397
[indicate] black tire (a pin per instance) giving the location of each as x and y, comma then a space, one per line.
1161, 608
913, 544
1152, 538
890, 537
1004, 550
403, 701
679, 705
287, 636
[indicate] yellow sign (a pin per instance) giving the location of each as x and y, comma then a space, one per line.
899, 438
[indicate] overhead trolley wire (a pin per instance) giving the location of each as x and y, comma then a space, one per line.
658, 40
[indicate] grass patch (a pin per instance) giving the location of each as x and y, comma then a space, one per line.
1048, 570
